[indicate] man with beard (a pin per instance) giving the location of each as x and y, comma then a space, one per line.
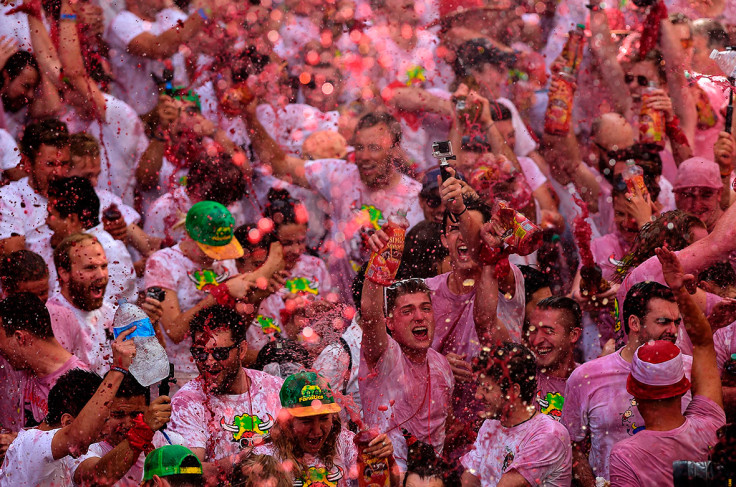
516, 444
555, 327
23, 212
117, 459
228, 409
363, 194
81, 265
596, 401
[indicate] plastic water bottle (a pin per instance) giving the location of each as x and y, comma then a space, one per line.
633, 175
150, 364
726, 60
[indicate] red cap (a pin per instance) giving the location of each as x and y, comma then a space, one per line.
657, 372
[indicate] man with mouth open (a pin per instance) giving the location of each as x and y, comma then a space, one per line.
516, 445
404, 383
227, 410
596, 401
81, 265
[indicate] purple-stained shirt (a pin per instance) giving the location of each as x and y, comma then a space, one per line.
538, 449
398, 393
646, 459
724, 340
596, 401
605, 247
550, 397
25, 392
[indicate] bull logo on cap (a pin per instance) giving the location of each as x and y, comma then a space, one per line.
320, 477
248, 430
206, 277
268, 324
302, 284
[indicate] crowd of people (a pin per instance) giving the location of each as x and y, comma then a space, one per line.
381, 242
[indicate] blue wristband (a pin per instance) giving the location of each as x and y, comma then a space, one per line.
68, 17
203, 14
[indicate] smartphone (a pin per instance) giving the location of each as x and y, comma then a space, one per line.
156, 293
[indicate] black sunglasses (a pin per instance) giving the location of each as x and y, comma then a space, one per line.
200, 354
641, 79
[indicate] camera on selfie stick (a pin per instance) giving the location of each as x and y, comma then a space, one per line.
443, 152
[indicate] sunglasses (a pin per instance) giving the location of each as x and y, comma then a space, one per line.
640, 79
200, 354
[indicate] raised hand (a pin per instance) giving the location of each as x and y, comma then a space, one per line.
8, 47
674, 274
158, 413
123, 351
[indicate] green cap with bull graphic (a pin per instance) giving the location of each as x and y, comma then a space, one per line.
307, 394
211, 225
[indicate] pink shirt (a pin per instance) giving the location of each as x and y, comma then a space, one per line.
610, 245
222, 423
539, 449
724, 340
550, 395
646, 459
26, 395
398, 393
596, 401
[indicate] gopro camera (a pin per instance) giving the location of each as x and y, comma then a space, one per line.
443, 151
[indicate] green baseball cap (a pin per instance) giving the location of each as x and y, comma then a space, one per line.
307, 394
171, 460
211, 225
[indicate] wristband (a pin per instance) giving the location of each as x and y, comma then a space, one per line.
203, 14
454, 217
119, 369
72, 17
140, 435
221, 294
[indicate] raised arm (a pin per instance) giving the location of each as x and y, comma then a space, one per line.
167, 43
682, 97
269, 152
372, 318
74, 438
70, 53
604, 54
490, 330
108, 469
706, 380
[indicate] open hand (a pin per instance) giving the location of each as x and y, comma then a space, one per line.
674, 274
123, 351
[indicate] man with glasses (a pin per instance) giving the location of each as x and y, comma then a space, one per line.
597, 408
228, 409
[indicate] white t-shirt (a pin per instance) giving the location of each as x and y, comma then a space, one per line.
233, 126
30, 463
171, 269
355, 210
539, 449
133, 81
223, 424
90, 340
22, 211
9, 152
122, 140
134, 476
